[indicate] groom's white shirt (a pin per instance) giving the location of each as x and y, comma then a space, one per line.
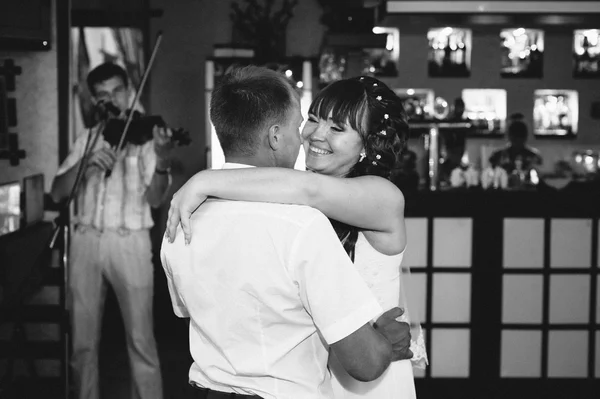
264, 284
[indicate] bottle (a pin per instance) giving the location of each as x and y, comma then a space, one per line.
517, 176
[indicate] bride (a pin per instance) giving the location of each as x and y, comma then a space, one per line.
355, 133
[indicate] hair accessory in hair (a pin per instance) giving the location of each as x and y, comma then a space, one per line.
362, 156
378, 156
378, 98
386, 116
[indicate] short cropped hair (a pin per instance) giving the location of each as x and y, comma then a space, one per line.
104, 72
247, 101
518, 130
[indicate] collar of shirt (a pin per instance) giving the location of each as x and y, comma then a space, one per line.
233, 165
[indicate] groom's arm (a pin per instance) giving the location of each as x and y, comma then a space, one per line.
339, 301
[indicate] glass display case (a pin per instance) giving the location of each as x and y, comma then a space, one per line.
555, 112
586, 53
449, 52
486, 109
522, 52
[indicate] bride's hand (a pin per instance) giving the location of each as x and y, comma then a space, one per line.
185, 201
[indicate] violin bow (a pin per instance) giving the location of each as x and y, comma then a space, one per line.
138, 93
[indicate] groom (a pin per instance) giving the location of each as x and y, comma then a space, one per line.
268, 287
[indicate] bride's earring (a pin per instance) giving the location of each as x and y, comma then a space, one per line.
362, 156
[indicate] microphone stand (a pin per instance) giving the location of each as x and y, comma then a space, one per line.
62, 229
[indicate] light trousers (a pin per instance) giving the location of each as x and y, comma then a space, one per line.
125, 262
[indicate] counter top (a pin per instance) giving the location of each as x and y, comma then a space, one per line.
577, 200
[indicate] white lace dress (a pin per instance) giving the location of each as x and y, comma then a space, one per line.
383, 275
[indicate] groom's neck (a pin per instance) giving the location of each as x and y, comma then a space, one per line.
250, 160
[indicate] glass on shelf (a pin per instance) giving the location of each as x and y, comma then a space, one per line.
555, 112
486, 109
449, 52
586, 53
522, 52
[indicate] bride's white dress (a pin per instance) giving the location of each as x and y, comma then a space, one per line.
383, 275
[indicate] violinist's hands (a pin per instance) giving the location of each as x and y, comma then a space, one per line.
185, 201
162, 142
103, 159
398, 333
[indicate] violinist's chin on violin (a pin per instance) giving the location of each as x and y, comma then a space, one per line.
106, 109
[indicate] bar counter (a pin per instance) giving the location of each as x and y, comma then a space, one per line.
508, 291
577, 200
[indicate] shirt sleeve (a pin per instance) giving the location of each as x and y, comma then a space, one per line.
148, 165
179, 307
148, 162
330, 287
75, 154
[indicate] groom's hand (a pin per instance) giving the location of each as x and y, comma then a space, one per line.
398, 333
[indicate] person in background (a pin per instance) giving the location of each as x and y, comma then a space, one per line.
517, 154
453, 141
111, 238
355, 134
265, 285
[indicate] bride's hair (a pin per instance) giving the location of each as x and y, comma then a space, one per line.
377, 114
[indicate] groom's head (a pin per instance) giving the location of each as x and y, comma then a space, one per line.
256, 113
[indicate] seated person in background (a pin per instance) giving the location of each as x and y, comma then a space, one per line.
516, 149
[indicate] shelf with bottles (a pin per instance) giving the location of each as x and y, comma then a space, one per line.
477, 113
522, 53
586, 53
449, 52
345, 55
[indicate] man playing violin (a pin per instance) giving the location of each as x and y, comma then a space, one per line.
111, 238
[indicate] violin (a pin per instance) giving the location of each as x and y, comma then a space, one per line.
140, 129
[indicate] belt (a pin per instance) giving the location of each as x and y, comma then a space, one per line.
210, 394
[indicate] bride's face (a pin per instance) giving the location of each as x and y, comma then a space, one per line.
331, 148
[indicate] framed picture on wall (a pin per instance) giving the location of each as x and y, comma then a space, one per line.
449, 52
522, 53
586, 53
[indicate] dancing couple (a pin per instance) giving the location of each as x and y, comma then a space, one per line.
292, 280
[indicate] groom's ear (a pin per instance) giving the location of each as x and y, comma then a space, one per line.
274, 137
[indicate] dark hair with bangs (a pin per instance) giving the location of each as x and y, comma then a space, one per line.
104, 72
376, 113
346, 101
246, 101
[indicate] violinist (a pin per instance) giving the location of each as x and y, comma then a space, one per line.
110, 242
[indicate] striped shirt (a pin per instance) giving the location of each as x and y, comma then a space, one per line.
119, 201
